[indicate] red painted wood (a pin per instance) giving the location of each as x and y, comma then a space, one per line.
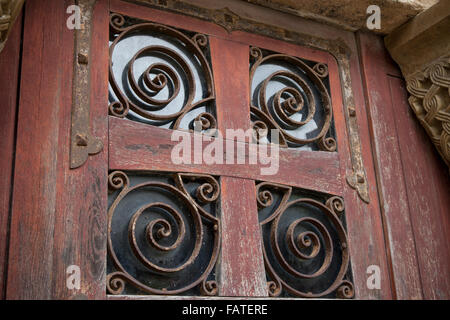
35, 170
231, 75
415, 188
60, 213
165, 17
364, 221
241, 265
9, 81
428, 187
241, 262
393, 193
82, 208
57, 213
364, 226
136, 146
209, 28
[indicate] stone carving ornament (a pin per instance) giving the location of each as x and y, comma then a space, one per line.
430, 100
9, 10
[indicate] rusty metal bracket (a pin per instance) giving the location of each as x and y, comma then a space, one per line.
82, 143
357, 180
357, 177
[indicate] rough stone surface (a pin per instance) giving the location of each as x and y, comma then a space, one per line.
351, 14
345, 14
422, 49
423, 40
9, 10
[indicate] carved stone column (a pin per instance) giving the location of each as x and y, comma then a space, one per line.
9, 10
422, 49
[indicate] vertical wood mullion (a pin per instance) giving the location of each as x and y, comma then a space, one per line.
241, 261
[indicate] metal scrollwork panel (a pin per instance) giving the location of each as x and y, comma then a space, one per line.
304, 243
160, 75
163, 234
291, 95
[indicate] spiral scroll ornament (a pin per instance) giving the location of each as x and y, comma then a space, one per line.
163, 235
174, 73
297, 97
301, 236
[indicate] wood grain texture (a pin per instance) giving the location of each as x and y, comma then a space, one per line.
217, 31
229, 61
9, 81
387, 153
364, 221
57, 213
83, 191
136, 146
33, 207
428, 187
241, 265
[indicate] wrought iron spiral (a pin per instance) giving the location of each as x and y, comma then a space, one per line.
172, 74
297, 98
164, 234
305, 238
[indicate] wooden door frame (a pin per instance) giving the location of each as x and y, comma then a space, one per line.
51, 227
152, 147
412, 179
60, 230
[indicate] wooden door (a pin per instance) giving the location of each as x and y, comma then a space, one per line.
138, 223
278, 234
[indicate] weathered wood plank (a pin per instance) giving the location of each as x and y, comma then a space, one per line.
136, 146
201, 26
241, 265
57, 213
241, 260
9, 81
390, 172
82, 192
32, 221
364, 221
428, 187
231, 76
165, 17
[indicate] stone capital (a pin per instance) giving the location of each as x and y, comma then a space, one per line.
421, 47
